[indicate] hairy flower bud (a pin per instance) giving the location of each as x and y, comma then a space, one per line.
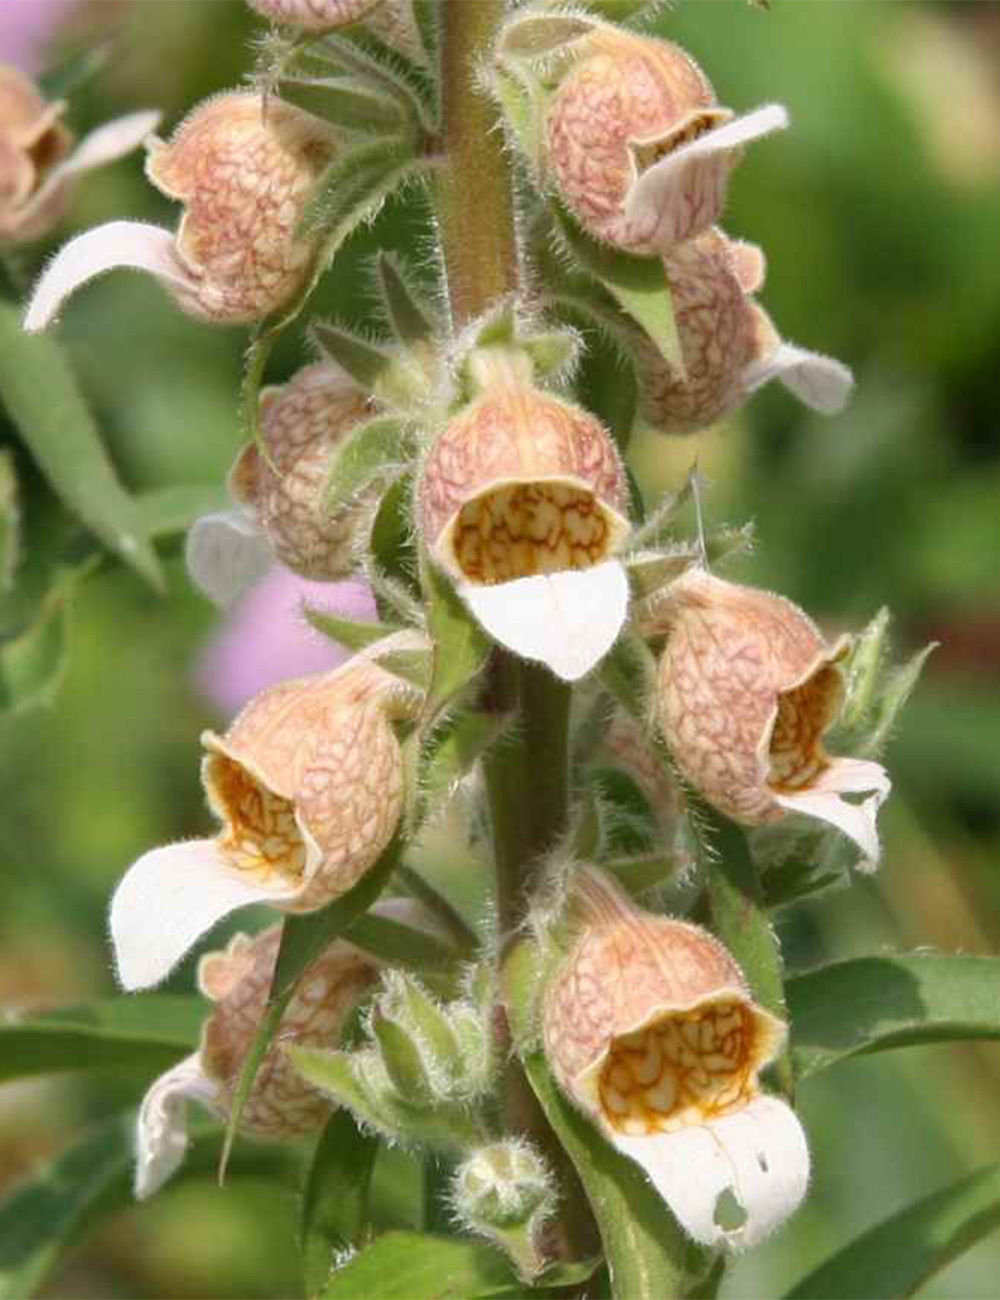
281, 512
36, 166
729, 347
505, 1192
650, 1030
308, 786
522, 501
280, 1104
637, 145
746, 689
314, 15
245, 173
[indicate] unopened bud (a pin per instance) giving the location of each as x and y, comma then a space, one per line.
505, 1192
308, 786
280, 1103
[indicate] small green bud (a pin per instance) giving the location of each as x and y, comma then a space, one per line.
505, 1192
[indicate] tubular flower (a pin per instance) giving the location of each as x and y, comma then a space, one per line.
280, 512
746, 689
37, 166
314, 15
280, 1104
245, 178
650, 1030
637, 145
523, 501
308, 786
728, 344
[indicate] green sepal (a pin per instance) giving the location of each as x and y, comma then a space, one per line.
348, 632
410, 317
402, 1058
461, 648
537, 35
550, 354
451, 752
397, 944
638, 284
371, 451
405, 999
390, 375
357, 107
629, 673
520, 98
353, 53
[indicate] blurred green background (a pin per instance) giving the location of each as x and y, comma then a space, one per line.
880, 215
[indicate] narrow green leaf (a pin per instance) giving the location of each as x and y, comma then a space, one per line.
411, 319
147, 1031
168, 511
897, 1256
370, 450
398, 944
348, 632
303, 938
32, 662
647, 1253
461, 647
39, 389
627, 672
395, 556
402, 1265
454, 750
637, 874
10, 523
739, 915
862, 668
607, 385
519, 111
638, 284
892, 696
335, 1201
50, 1213
363, 360
355, 107
870, 1004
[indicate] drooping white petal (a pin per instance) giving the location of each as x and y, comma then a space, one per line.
110, 141
823, 800
821, 382
225, 554
161, 1135
757, 1153
130, 244
567, 620
682, 194
169, 898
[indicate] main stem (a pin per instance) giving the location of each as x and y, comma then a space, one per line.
527, 778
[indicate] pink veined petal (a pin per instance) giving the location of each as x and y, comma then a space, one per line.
169, 898
758, 1154
681, 195
161, 1133
567, 620
135, 245
110, 141
821, 382
225, 554
857, 821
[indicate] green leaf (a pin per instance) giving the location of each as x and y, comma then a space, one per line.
897, 1256
348, 632
894, 693
10, 523
638, 284
628, 673
647, 1252
461, 647
394, 554
39, 390
303, 938
147, 1031
637, 874
335, 1201
453, 750
51, 1212
518, 104
356, 107
607, 385
398, 944
870, 1004
32, 662
370, 450
168, 511
402, 1265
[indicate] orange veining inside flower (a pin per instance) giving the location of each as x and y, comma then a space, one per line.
530, 528
261, 836
803, 715
688, 1067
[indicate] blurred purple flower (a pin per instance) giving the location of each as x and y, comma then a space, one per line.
25, 27
266, 638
